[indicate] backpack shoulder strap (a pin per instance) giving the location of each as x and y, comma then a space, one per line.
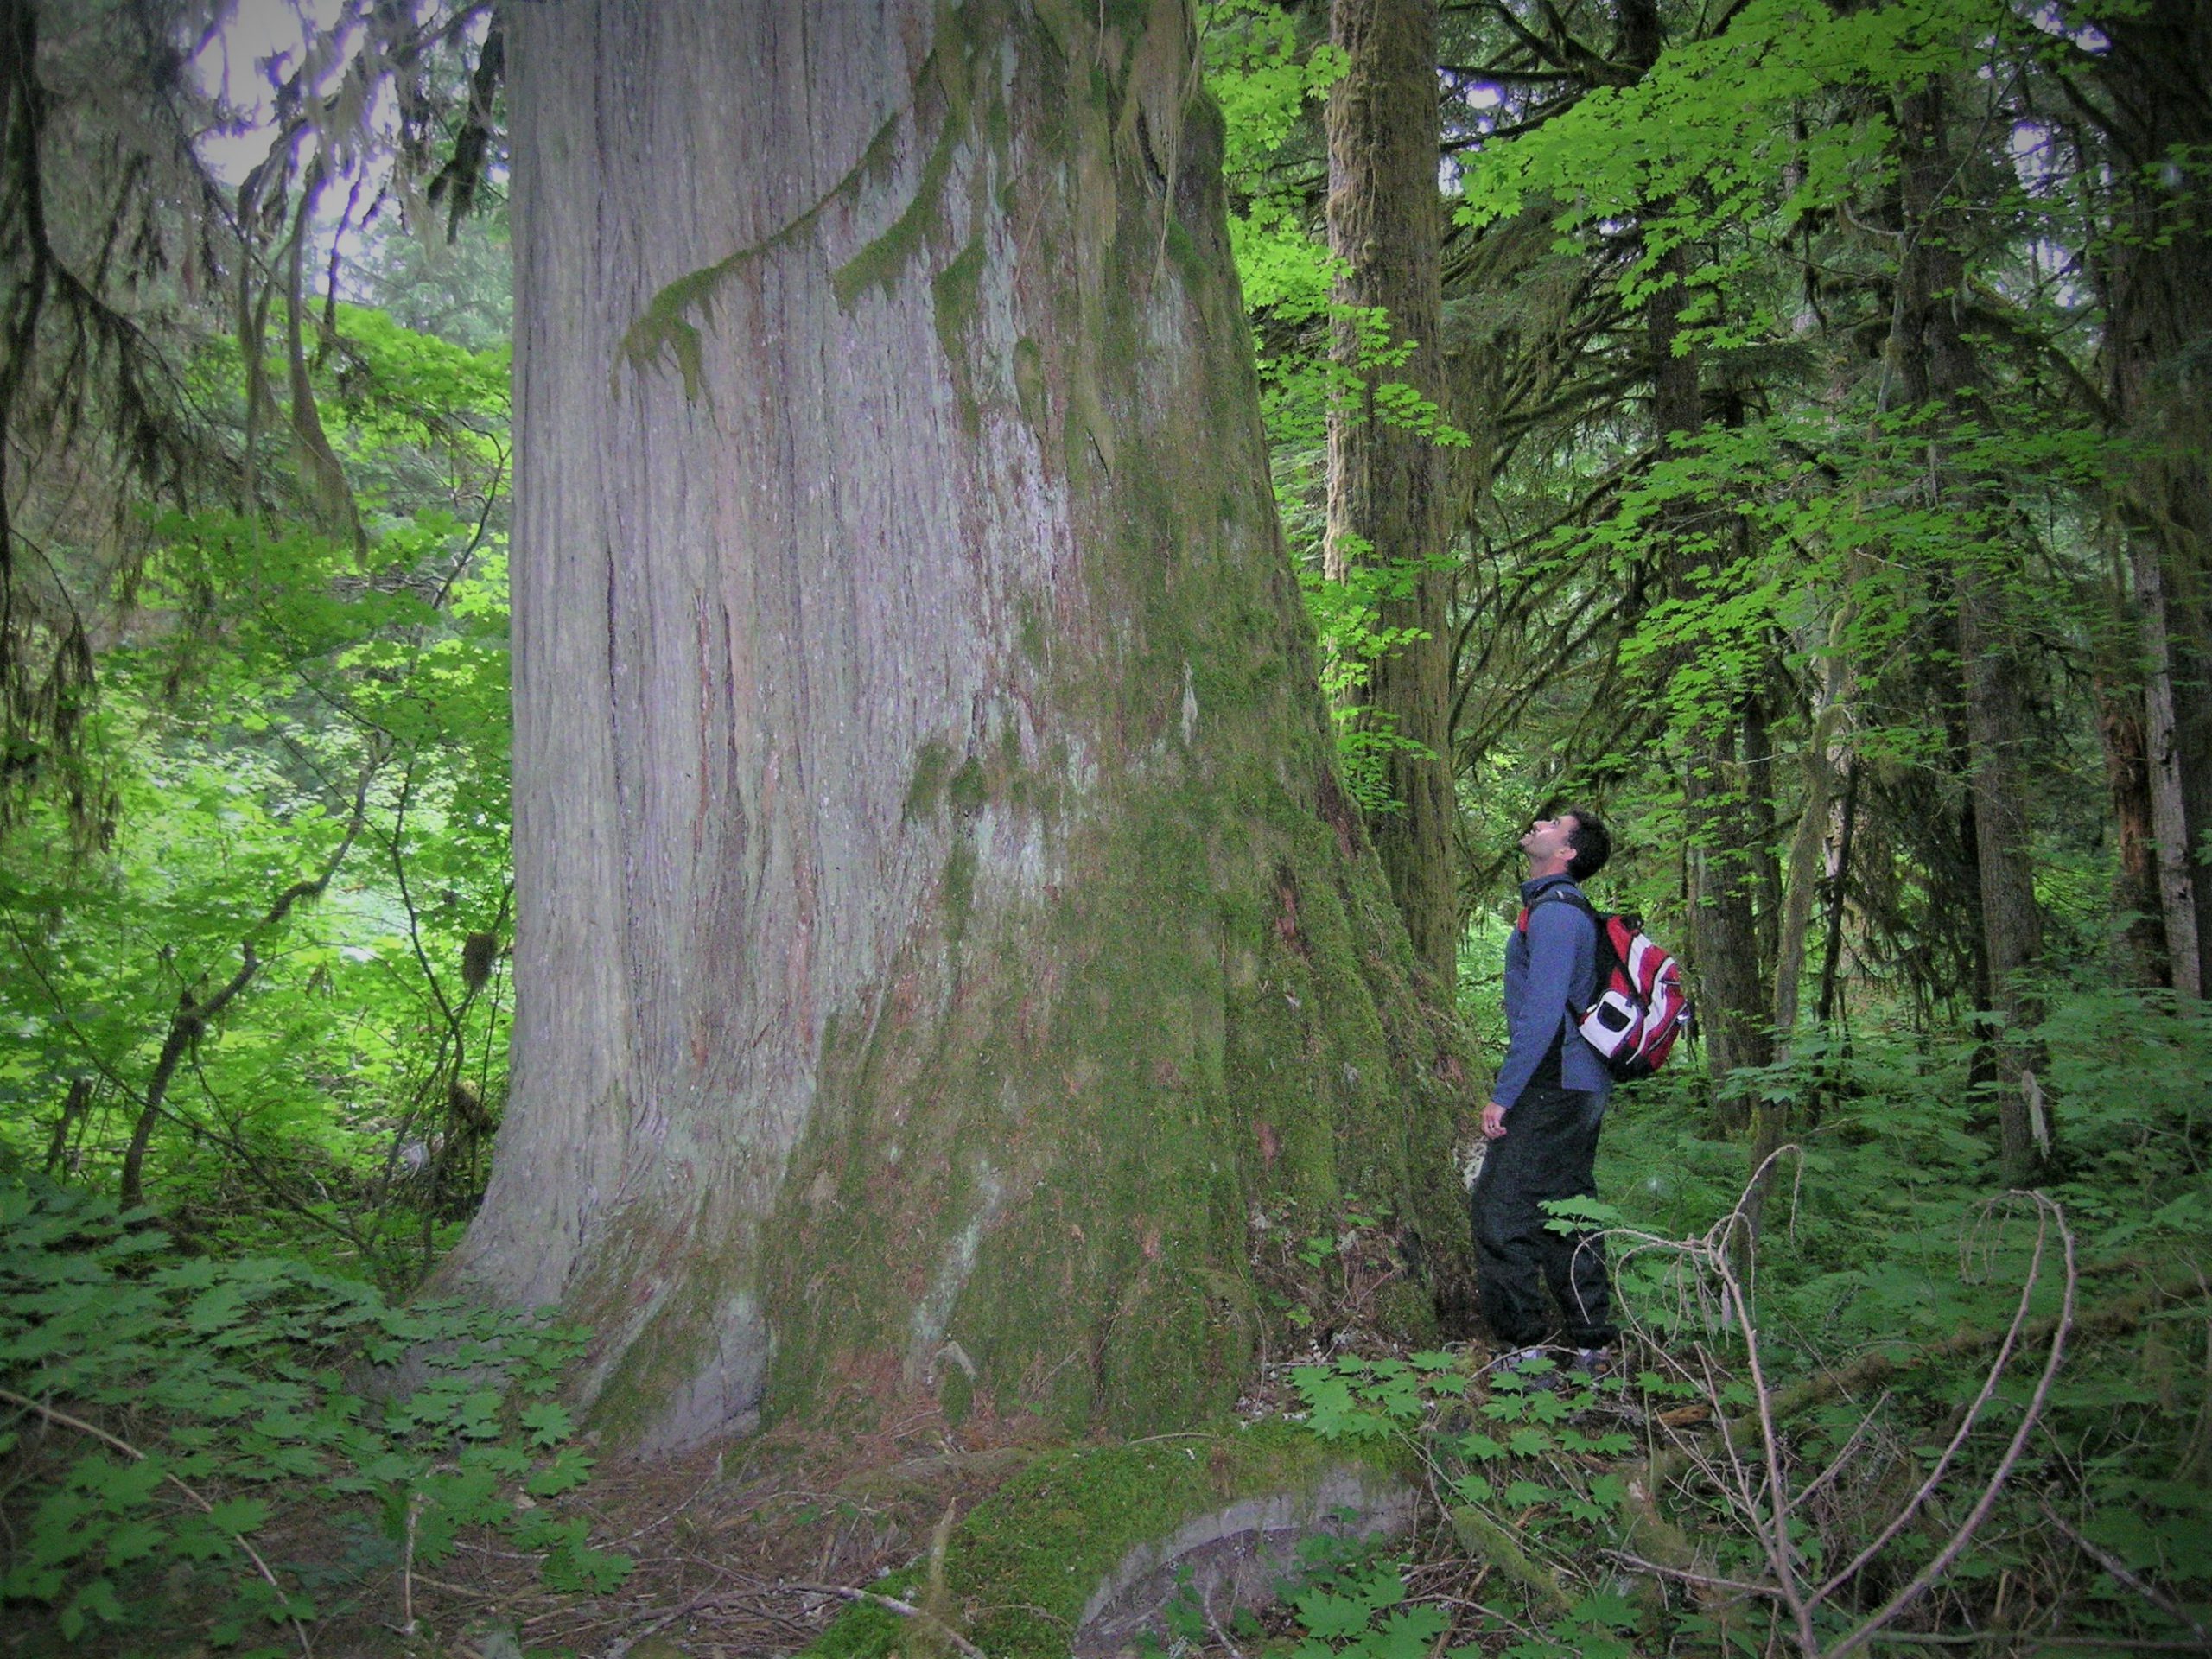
1565, 895
1608, 959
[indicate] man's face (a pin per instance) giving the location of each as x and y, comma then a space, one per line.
1550, 838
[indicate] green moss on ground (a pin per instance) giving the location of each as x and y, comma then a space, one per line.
1020, 1568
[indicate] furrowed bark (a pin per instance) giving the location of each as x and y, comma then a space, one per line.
940, 928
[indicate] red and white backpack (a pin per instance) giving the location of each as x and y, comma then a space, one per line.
1641, 1006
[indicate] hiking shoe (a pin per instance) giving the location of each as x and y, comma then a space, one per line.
1592, 1363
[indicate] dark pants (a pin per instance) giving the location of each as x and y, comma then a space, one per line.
1549, 1151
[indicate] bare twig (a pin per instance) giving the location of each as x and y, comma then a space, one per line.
2039, 1643
1683, 1575
1214, 1625
1904, 1516
1850, 1447
1781, 1553
415, 1502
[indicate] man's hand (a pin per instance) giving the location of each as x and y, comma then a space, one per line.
1493, 1121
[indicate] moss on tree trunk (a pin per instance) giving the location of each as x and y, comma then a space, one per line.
941, 930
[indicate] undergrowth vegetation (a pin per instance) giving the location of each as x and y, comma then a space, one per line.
226, 1450
1914, 1405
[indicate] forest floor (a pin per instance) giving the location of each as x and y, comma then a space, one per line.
740, 1550
748, 1549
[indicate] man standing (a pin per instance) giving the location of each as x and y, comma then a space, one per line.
1541, 1122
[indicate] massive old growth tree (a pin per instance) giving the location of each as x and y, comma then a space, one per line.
942, 938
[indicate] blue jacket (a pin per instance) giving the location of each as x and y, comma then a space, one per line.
1553, 964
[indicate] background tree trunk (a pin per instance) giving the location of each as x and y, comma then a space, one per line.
940, 928
1935, 373
2138, 942
1386, 504
1733, 1011
2157, 279
1725, 846
1723, 842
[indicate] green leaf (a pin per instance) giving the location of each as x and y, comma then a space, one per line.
1408, 1633
549, 1424
1333, 1617
239, 1515
132, 1540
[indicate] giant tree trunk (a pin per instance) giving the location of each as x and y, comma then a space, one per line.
940, 929
1936, 373
2158, 277
1386, 505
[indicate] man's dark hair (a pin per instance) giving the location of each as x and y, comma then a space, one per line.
1592, 840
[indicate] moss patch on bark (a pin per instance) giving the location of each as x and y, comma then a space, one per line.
1029, 1183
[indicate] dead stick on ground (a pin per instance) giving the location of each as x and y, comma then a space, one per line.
63, 1419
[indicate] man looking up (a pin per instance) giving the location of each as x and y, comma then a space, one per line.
1541, 1122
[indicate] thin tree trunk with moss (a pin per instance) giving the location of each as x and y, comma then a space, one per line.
1386, 506
1835, 896
1810, 851
1733, 1011
2157, 272
1723, 844
942, 936
1811, 860
1935, 373
2138, 942
1720, 850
